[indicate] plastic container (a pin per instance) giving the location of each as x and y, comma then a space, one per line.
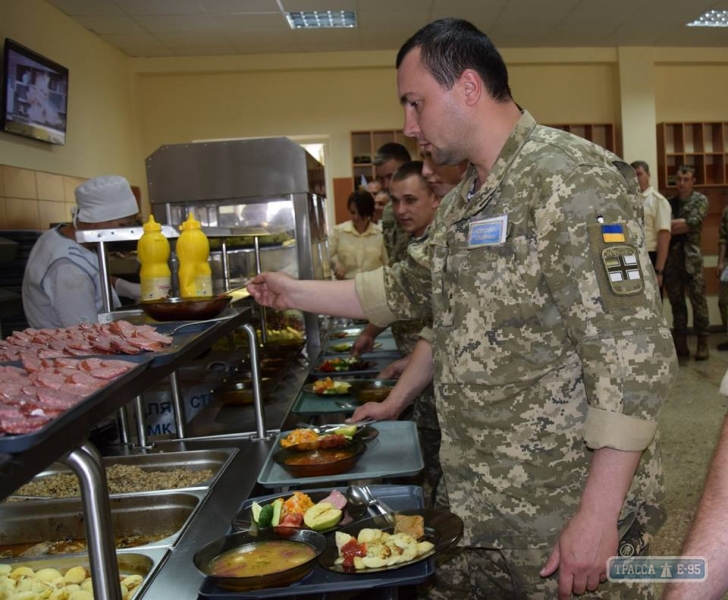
153, 252
193, 252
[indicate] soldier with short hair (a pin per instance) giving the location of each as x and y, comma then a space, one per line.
387, 160
684, 268
551, 355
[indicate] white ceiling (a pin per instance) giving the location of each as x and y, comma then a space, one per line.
229, 27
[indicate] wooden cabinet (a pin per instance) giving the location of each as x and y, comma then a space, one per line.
364, 145
602, 134
703, 146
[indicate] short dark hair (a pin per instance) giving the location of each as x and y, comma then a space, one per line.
389, 151
641, 164
450, 46
363, 201
686, 169
408, 169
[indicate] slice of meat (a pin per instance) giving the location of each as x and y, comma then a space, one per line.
336, 499
126, 365
64, 362
79, 348
31, 362
122, 328
102, 343
8, 411
56, 398
48, 379
9, 373
82, 390
50, 353
121, 346
91, 364
57, 344
86, 379
23, 425
141, 343
155, 336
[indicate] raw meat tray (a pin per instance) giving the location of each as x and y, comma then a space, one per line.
13, 444
394, 453
323, 581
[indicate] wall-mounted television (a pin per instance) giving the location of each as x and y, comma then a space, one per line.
34, 95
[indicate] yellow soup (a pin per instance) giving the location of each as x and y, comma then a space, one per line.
260, 558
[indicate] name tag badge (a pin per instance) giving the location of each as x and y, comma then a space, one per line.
487, 232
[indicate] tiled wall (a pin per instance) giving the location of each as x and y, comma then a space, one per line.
35, 199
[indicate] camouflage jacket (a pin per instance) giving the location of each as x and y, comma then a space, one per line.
723, 228
546, 345
693, 209
391, 230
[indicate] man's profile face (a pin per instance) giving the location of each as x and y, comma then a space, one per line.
414, 204
685, 180
643, 177
385, 172
380, 201
441, 178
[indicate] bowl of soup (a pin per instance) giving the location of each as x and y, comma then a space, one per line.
371, 390
317, 463
257, 559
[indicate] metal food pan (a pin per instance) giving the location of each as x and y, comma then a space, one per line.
193, 460
63, 519
144, 563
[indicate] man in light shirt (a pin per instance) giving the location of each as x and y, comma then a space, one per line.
658, 216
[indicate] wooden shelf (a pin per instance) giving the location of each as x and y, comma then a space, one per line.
602, 134
703, 146
364, 145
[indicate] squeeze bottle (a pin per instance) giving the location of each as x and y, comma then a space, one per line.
193, 251
153, 252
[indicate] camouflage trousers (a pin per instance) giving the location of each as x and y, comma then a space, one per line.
678, 282
723, 304
428, 432
510, 574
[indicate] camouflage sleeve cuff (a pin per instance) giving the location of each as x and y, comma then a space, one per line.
373, 297
427, 334
616, 430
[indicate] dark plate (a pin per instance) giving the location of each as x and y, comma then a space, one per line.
362, 365
442, 528
351, 455
244, 519
305, 536
364, 434
185, 309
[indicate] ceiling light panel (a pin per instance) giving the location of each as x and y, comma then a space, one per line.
322, 19
712, 18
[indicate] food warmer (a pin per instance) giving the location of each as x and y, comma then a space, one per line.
261, 201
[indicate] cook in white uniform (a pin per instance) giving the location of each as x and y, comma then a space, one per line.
62, 285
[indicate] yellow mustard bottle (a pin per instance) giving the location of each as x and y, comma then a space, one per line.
193, 252
153, 252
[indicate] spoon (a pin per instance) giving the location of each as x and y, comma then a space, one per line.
215, 320
361, 495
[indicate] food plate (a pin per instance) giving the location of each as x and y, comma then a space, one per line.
364, 433
317, 463
344, 365
443, 528
346, 346
354, 332
244, 519
336, 391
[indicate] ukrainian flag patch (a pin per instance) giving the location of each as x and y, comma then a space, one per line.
612, 233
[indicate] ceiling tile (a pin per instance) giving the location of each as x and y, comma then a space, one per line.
375, 19
201, 39
456, 5
251, 22
482, 19
238, 6
205, 51
394, 5
142, 51
176, 23
87, 7
160, 7
137, 40
101, 25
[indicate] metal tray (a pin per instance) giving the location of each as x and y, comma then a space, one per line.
63, 519
314, 404
323, 581
144, 563
193, 460
13, 444
395, 453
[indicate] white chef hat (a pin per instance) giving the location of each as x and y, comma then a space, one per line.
104, 198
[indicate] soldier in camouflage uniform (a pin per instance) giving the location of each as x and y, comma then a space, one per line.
684, 268
552, 357
387, 160
414, 205
723, 290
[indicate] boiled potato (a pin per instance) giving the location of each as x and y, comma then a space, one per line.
21, 571
5, 569
75, 575
81, 595
48, 574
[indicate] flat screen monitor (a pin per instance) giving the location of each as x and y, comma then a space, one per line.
35, 95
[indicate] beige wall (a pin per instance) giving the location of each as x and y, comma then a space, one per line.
101, 134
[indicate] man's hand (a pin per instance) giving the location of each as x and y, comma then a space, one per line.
339, 272
394, 369
273, 289
379, 411
363, 344
581, 552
